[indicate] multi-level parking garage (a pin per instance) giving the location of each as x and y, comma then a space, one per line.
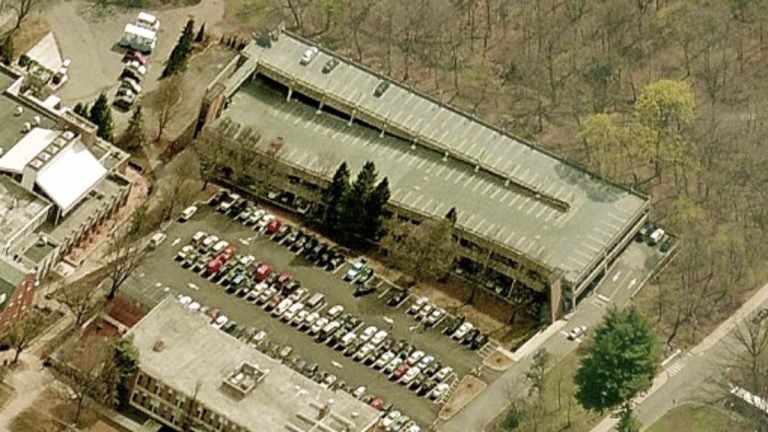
546, 227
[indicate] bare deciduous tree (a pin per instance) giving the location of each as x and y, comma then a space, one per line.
168, 97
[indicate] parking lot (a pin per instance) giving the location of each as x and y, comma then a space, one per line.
160, 275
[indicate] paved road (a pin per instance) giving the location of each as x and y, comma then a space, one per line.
695, 375
616, 288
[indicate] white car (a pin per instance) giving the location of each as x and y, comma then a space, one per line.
443, 373
291, 312
259, 336
220, 321
298, 294
263, 222
379, 337
310, 319
301, 316
383, 360
246, 260
199, 236
185, 300
187, 213
435, 316
368, 333
392, 365
410, 375
415, 357
194, 306
244, 215
424, 312
439, 390
390, 418
364, 351
335, 311
425, 361
417, 305
355, 269
220, 246
282, 307
157, 239
210, 241
308, 55
182, 254
359, 392
576, 332
256, 216
226, 205
463, 330
318, 325
413, 427
348, 339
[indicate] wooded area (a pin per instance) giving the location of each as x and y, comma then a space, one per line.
667, 96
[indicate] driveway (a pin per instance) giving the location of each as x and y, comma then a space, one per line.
88, 36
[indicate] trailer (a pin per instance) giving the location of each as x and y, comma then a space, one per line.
139, 38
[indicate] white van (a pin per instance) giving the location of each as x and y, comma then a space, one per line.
187, 213
157, 239
148, 21
316, 300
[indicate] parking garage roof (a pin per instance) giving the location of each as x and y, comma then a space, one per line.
284, 400
505, 189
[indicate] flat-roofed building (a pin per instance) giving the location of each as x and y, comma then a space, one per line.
543, 225
193, 374
58, 183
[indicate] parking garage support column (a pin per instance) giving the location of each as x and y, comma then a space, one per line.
320, 107
352, 117
290, 93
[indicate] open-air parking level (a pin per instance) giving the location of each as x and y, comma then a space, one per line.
325, 314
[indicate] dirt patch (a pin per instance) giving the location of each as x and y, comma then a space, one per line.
469, 387
499, 361
51, 412
125, 311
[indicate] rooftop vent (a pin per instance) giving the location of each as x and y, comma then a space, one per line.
37, 163
68, 135
45, 156
18, 111
158, 346
37, 120
26, 127
245, 378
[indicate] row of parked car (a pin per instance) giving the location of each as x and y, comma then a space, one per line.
458, 328
135, 67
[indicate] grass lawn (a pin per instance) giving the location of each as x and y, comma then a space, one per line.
554, 415
692, 417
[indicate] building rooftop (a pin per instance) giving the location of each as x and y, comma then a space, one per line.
18, 207
13, 122
424, 181
175, 347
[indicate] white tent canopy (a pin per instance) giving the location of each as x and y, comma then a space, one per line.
26, 149
70, 175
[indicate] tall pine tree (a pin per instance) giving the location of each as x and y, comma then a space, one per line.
353, 216
134, 137
334, 196
177, 61
101, 115
374, 209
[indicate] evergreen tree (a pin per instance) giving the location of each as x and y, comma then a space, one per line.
452, 216
353, 211
101, 115
333, 196
134, 137
177, 61
200, 34
620, 363
81, 110
7, 53
374, 209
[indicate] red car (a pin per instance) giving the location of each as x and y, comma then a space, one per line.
274, 225
283, 279
134, 56
378, 403
400, 371
213, 266
262, 272
227, 253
